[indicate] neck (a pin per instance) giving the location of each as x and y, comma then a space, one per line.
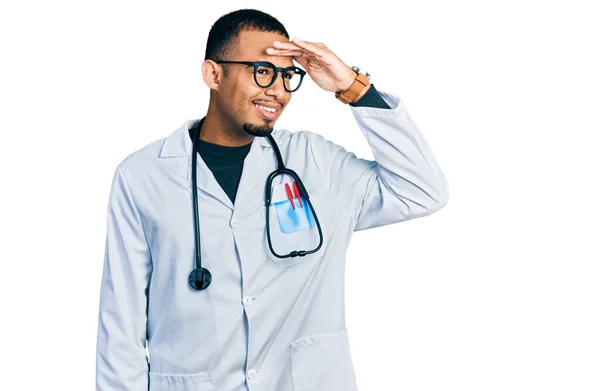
218, 130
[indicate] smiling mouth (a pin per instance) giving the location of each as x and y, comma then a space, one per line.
266, 112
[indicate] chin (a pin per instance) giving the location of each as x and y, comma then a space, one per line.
258, 130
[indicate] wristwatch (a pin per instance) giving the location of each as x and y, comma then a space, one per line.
360, 83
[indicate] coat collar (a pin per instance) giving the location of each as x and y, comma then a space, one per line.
261, 156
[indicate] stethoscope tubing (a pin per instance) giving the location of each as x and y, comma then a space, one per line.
200, 278
303, 193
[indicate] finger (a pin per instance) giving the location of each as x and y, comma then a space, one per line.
311, 47
284, 52
286, 45
303, 61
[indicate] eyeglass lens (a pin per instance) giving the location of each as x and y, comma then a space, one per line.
265, 75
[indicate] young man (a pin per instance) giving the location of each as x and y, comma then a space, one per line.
266, 322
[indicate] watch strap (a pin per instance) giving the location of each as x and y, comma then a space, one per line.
350, 95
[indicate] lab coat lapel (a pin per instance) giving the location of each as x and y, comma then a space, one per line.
179, 145
207, 182
255, 171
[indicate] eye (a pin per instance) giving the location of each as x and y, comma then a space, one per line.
265, 71
289, 75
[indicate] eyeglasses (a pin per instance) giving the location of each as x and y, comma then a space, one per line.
265, 74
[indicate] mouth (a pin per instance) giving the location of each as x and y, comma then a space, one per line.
267, 112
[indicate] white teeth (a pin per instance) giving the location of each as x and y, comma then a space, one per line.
266, 108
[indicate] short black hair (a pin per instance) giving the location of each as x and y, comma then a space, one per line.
225, 31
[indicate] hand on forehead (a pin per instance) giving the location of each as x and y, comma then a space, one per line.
253, 45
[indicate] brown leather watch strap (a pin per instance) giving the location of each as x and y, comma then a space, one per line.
361, 82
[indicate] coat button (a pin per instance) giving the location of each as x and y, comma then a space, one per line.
235, 223
249, 300
251, 374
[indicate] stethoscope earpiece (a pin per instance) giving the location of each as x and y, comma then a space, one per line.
200, 279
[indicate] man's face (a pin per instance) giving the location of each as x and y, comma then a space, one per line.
239, 95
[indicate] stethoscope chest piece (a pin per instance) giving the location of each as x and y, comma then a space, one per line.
200, 279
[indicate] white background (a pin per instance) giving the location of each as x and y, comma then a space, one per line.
497, 291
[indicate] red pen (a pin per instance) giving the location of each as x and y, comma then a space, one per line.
289, 195
297, 194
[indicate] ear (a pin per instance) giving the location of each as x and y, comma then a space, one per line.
212, 74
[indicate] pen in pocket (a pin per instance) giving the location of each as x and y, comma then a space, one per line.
297, 194
289, 195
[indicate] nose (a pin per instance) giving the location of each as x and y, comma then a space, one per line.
277, 89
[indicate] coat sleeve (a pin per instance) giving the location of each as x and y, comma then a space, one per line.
403, 182
121, 361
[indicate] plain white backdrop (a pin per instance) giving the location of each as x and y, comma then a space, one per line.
499, 290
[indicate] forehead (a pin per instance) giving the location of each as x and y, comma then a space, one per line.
252, 46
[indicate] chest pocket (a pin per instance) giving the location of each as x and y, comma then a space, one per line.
294, 229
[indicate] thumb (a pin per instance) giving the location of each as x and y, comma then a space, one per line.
302, 61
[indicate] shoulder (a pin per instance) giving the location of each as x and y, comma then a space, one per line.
307, 147
307, 138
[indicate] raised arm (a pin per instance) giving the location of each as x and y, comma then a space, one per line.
403, 182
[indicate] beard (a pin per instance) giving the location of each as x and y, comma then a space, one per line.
257, 130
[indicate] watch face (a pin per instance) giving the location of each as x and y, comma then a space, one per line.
358, 70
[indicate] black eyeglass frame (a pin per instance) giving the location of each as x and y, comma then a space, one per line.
256, 64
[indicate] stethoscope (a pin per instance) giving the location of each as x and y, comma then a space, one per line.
200, 278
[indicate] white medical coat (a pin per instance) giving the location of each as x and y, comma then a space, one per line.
264, 323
